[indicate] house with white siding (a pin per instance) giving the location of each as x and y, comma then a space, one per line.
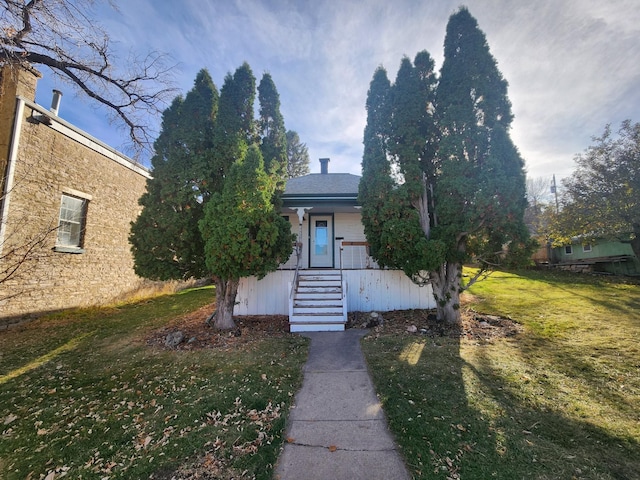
330, 272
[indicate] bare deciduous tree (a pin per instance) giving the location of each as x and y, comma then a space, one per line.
64, 36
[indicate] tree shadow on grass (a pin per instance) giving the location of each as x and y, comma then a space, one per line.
457, 415
557, 428
563, 280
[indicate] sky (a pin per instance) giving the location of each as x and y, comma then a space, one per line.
573, 66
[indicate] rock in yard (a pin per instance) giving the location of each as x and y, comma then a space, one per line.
173, 339
375, 319
412, 329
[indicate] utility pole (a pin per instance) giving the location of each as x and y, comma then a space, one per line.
554, 190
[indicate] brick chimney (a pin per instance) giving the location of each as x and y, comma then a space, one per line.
324, 166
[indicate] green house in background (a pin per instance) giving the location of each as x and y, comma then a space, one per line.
599, 256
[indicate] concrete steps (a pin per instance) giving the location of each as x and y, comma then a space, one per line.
318, 302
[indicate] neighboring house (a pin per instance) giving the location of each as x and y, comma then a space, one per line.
330, 271
67, 204
600, 256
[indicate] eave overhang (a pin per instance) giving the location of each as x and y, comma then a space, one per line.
307, 200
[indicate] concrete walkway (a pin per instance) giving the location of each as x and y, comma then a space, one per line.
337, 429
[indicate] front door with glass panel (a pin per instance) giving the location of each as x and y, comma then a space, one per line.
321, 248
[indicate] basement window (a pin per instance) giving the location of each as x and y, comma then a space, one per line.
71, 224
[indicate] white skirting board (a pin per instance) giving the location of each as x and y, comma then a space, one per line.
368, 290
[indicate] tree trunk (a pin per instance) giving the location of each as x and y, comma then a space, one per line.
445, 282
635, 243
421, 204
226, 291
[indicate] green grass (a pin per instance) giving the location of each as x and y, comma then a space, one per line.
561, 400
81, 393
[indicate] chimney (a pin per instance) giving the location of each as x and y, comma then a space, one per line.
55, 102
324, 166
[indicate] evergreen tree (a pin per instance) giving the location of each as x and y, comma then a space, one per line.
481, 193
271, 127
235, 137
398, 170
234, 129
442, 181
165, 239
376, 185
244, 233
205, 191
297, 156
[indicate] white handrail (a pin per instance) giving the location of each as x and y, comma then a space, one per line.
298, 247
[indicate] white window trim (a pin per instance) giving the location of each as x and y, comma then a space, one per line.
586, 248
570, 247
70, 192
76, 193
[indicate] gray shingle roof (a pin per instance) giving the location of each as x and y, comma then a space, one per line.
323, 183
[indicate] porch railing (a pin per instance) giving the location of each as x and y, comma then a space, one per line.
292, 287
355, 256
350, 256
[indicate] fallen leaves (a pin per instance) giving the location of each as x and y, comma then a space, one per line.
252, 329
476, 327
142, 442
58, 472
9, 419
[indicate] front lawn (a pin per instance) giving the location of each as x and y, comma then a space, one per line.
559, 400
84, 394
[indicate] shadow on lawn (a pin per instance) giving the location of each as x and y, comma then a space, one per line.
563, 280
455, 418
548, 434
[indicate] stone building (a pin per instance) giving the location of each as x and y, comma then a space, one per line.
67, 201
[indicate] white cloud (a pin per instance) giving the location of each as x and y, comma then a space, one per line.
572, 65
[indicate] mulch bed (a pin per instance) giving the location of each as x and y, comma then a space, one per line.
250, 329
475, 326
199, 335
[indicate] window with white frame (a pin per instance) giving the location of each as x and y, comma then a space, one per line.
71, 223
586, 247
568, 249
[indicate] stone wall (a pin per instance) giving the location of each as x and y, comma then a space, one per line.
52, 161
13, 81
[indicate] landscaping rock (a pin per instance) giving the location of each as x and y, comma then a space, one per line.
375, 319
174, 339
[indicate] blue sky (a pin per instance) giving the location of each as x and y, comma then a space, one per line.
572, 65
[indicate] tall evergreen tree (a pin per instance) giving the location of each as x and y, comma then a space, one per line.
165, 239
482, 190
234, 129
457, 187
244, 233
235, 136
204, 190
297, 156
376, 185
271, 127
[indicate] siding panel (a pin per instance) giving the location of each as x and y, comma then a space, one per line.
367, 290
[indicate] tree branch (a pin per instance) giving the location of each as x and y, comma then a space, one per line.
62, 35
